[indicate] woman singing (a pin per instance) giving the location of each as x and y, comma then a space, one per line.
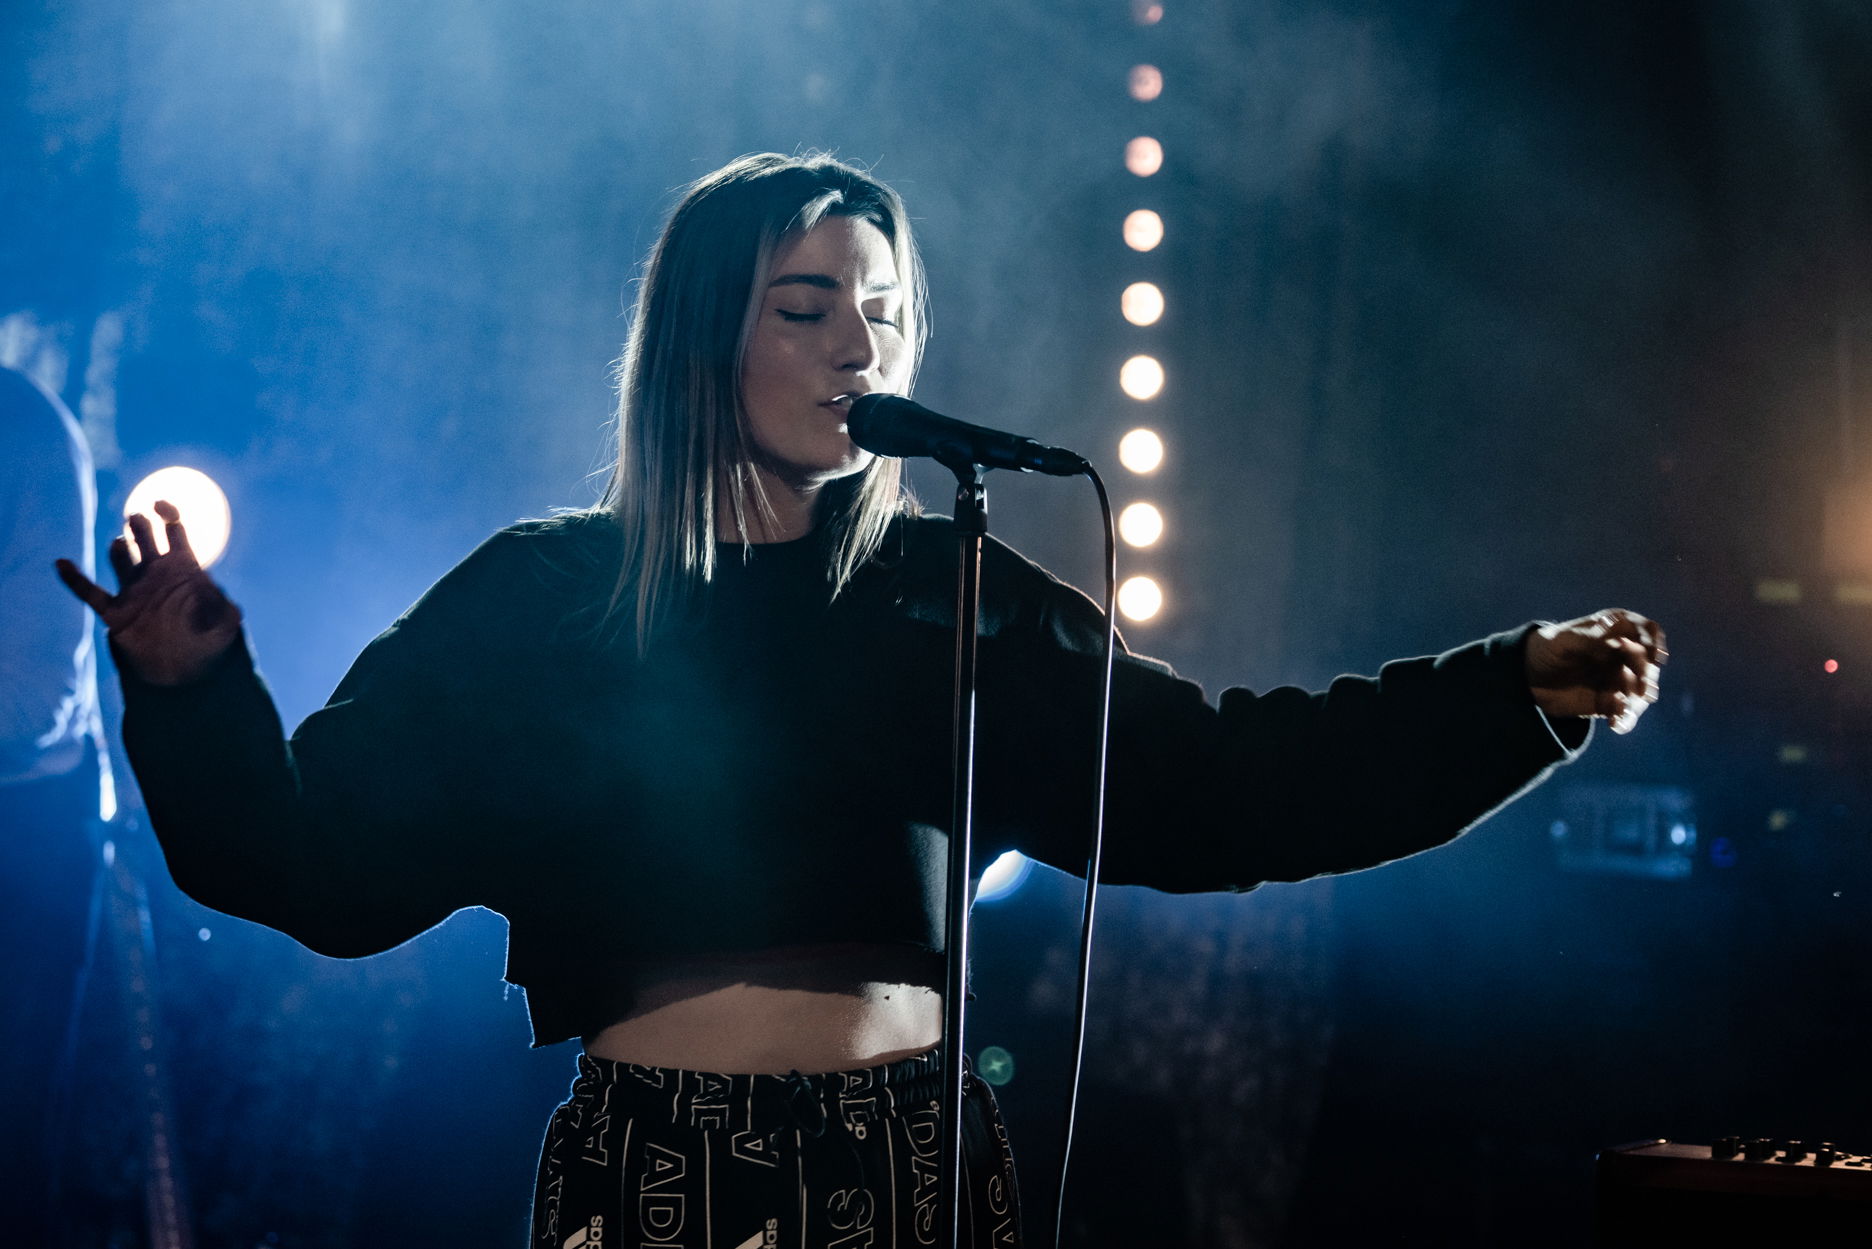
693, 743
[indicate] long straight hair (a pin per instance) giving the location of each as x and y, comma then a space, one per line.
685, 449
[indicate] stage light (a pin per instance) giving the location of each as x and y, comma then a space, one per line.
1144, 156
1146, 12
1140, 524
1141, 451
1003, 877
1141, 377
1143, 230
1140, 598
1146, 82
1142, 303
203, 506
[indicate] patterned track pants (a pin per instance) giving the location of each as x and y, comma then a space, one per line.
652, 1156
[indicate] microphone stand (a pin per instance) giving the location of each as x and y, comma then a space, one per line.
971, 524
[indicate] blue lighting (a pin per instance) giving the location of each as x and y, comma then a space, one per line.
1003, 876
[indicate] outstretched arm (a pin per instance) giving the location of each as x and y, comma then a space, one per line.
1282, 784
349, 856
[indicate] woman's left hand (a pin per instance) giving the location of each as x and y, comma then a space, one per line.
1605, 664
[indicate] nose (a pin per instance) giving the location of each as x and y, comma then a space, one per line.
856, 348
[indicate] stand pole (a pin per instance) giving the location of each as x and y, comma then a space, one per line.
971, 524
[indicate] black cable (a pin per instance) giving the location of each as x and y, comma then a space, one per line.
1097, 848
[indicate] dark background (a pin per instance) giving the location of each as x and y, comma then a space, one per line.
1477, 313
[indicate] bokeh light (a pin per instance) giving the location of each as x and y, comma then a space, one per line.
1146, 82
1144, 156
1832, 665
1142, 303
1141, 450
1143, 230
1003, 876
203, 506
1146, 12
995, 1065
1141, 377
1140, 524
1140, 598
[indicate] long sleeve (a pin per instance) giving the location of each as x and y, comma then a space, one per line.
375, 819
1272, 786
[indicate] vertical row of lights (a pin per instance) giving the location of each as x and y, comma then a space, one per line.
1141, 377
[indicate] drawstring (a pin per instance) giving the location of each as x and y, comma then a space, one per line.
803, 1101
808, 1110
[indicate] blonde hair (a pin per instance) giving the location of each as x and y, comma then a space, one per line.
683, 434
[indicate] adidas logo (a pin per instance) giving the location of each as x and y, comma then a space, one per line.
591, 1236
768, 1238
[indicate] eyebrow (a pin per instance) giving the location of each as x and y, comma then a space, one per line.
826, 282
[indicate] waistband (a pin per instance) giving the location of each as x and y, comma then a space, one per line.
765, 1104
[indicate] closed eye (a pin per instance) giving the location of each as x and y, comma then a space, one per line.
799, 316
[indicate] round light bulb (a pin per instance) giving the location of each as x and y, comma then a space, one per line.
1144, 156
1141, 377
1140, 524
203, 506
1143, 230
1141, 451
1140, 598
1142, 303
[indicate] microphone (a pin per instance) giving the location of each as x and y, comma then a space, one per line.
893, 425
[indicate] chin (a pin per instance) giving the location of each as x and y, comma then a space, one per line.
817, 464
826, 475
843, 462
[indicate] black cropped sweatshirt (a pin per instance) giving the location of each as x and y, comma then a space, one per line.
775, 772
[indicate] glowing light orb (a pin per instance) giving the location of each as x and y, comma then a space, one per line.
1141, 451
1143, 230
995, 1065
1146, 82
1140, 598
203, 506
1142, 303
1003, 877
1146, 12
1141, 377
1140, 524
1144, 156
1832, 665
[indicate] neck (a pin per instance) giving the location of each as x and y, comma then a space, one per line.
789, 511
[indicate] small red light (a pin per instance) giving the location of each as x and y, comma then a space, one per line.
1832, 665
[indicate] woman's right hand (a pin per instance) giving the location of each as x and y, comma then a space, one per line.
168, 620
